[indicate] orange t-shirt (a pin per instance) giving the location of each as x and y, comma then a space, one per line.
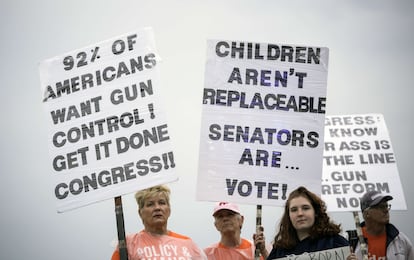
218, 251
376, 245
143, 245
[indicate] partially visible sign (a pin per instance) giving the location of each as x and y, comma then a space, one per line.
358, 158
339, 253
108, 133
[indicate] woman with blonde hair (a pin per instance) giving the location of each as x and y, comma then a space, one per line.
156, 241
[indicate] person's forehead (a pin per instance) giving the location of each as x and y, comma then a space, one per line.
156, 196
298, 201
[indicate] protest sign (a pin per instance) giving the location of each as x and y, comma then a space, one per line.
262, 121
358, 157
339, 253
108, 133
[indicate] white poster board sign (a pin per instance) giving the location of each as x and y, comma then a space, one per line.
339, 253
358, 157
108, 133
262, 121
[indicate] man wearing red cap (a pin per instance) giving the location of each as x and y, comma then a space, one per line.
384, 240
229, 221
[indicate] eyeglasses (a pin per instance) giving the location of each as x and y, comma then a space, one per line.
381, 206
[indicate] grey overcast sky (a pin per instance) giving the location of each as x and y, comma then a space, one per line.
371, 62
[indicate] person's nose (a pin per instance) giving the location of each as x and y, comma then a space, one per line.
157, 206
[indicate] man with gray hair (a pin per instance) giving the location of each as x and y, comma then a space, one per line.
383, 239
228, 220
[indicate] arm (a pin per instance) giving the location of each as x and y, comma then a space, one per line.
260, 243
115, 255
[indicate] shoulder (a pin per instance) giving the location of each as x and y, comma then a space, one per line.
176, 235
183, 240
275, 253
333, 241
404, 238
211, 249
215, 245
133, 238
394, 234
245, 243
144, 236
339, 241
392, 231
329, 242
